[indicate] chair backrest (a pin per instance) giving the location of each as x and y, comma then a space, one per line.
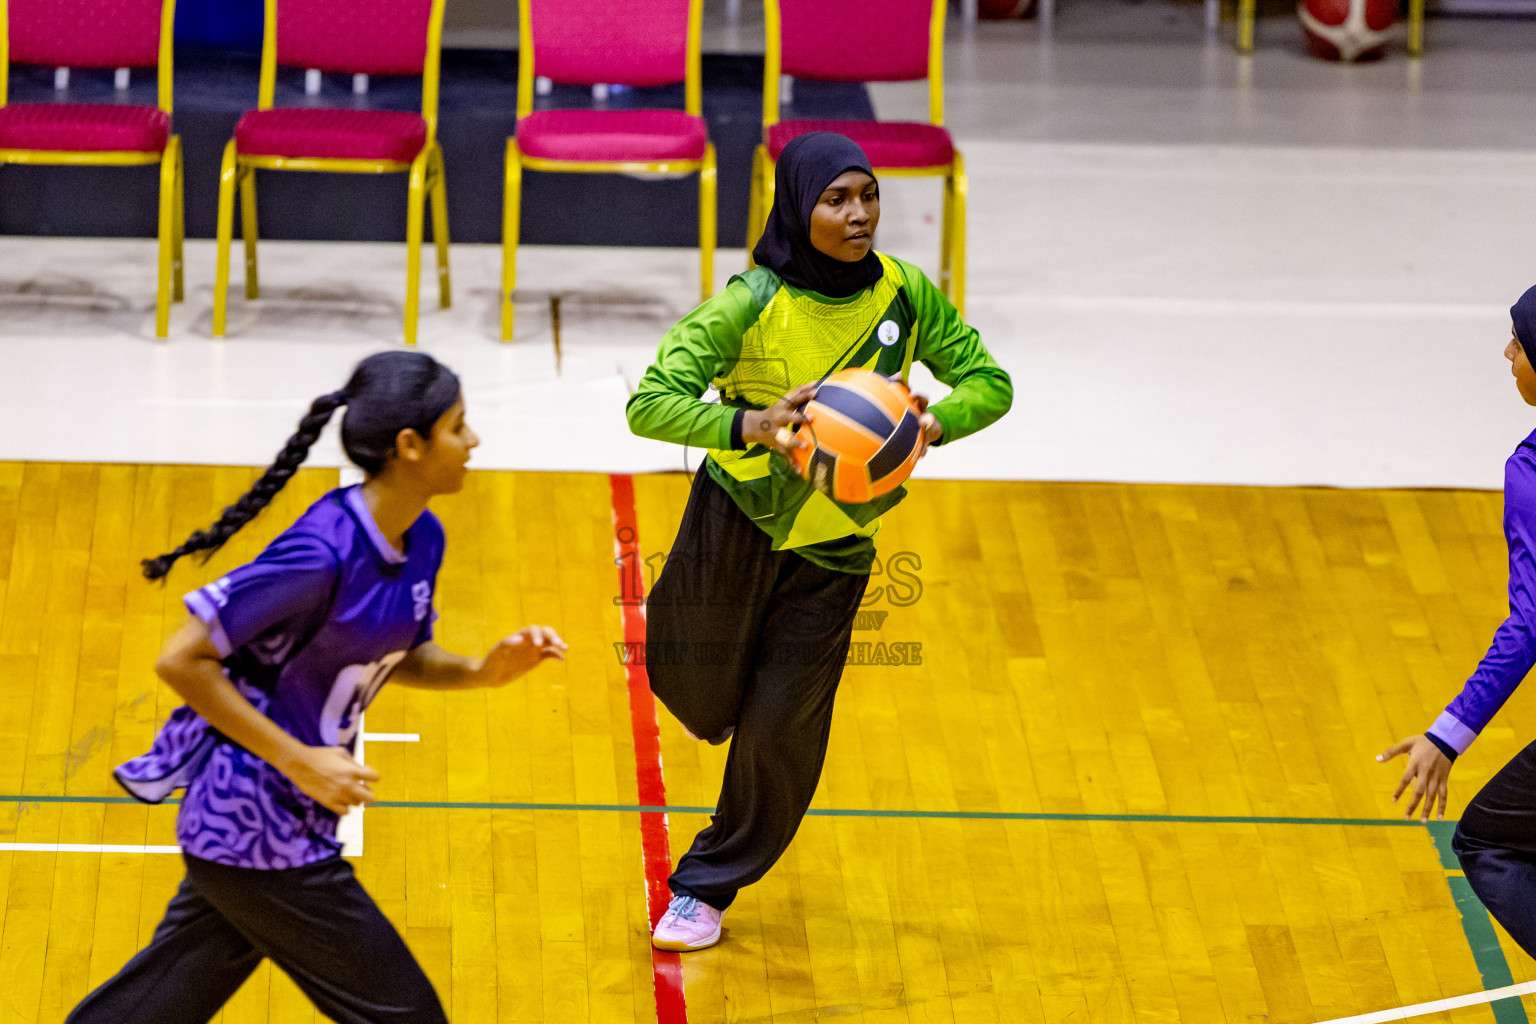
618, 42
371, 37
895, 41
89, 34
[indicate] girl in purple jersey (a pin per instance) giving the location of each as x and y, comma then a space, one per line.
1496, 837
277, 661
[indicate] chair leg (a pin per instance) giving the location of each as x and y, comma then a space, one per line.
947, 235
179, 227
166, 236
754, 200
248, 229
957, 234
707, 224
228, 171
438, 190
770, 189
1247, 14
763, 171
416, 196
511, 231
1415, 28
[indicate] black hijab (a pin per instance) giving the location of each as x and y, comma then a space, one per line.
1523, 313
806, 167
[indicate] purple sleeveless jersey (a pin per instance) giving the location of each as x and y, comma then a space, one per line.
309, 632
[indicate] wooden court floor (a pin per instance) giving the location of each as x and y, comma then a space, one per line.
1129, 778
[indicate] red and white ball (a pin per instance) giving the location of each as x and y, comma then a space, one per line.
1348, 30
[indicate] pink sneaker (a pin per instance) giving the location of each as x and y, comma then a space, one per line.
687, 924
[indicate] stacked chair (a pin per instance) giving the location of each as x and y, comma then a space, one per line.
572, 42
382, 37
897, 41
587, 42
122, 35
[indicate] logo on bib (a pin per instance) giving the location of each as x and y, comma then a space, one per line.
888, 333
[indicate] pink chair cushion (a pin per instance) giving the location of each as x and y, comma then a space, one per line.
886, 143
890, 45
85, 33
320, 132
378, 37
612, 135
84, 127
586, 41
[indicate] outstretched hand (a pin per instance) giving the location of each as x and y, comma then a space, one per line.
1428, 769
520, 654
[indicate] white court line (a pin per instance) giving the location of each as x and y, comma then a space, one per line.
86, 848
350, 829
1454, 1003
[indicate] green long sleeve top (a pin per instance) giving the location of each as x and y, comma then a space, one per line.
758, 339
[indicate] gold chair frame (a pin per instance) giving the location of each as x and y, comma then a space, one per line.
956, 185
172, 216
426, 181
693, 103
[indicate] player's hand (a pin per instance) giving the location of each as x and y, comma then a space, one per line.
932, 428
520, 654
1428, 770
333, 778
775, 426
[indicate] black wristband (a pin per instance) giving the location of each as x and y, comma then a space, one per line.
1445, 748
737, 444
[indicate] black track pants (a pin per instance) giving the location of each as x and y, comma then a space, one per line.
1496, 843
317, 923
739, 636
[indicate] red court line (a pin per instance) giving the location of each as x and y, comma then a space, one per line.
666, 968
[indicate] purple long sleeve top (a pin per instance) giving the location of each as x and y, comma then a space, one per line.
1513, 651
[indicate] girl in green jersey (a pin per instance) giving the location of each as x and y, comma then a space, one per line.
748, 624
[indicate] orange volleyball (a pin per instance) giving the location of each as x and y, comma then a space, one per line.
863, 437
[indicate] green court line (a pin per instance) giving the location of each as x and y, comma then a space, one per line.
1475, 922
814, 812
1477, 925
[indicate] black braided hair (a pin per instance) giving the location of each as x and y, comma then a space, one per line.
387, 393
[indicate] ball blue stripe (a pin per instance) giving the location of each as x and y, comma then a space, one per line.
895, 450
856, 406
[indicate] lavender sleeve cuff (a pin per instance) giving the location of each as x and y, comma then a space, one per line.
1449, 731
201, 605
